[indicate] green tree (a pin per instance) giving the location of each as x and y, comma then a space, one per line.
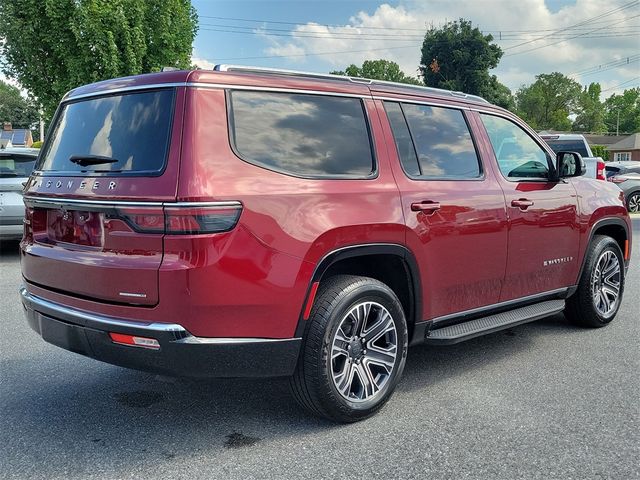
459, 57
52, 46
548, 102
623, 111
591, 116
16, 109
379, 70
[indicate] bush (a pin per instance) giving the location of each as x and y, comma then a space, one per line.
600, 151
37, 144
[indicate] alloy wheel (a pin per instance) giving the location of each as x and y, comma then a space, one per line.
605, 283
634, 203
364, 351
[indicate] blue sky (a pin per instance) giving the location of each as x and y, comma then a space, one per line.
598, 36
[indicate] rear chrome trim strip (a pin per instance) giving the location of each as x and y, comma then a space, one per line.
79, 317
69, 314
30, 199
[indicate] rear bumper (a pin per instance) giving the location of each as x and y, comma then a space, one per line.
11, 232
180, 353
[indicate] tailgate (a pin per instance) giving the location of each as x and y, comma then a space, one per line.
92, 251
94, 223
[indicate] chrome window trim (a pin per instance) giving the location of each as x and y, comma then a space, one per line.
430, 103
132, 88
215, 86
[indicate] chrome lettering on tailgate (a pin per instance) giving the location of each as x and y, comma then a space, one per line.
73, 184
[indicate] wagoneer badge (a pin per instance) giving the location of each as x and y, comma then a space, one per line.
76, 184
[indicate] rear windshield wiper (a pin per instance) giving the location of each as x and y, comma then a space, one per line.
85, 160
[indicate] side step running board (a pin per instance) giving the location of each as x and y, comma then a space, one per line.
493, 323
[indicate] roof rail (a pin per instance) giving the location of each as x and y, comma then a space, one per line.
278, 71
344, 78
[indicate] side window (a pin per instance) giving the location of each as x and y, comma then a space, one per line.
301, 134
443, 142
402, 137
518, 155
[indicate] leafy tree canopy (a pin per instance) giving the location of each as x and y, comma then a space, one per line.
16, 109
52, 46
459, 57
548, 102
591, 111
627, 106
379, 70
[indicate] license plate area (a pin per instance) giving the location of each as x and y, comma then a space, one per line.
78, 227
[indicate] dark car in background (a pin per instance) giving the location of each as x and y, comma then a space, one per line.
16, 165
627, 176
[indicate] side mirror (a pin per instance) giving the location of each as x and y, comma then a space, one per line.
569, 164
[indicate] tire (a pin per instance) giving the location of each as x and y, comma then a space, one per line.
596, 303
633, 202
334, 346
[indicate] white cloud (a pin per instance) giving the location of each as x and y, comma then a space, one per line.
202, 63
13, 82
517, 67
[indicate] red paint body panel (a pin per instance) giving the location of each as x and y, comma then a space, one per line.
460, 248
253, 281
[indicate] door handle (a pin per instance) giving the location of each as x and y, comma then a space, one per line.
427, 206
521, 203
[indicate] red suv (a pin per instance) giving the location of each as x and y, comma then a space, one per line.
242, 222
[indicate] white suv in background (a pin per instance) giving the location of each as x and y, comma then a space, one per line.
16, 165
566, 142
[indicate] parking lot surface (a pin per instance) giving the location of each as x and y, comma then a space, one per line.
543, 400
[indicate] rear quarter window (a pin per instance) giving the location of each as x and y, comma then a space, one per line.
16, 165
133, 129
301, 134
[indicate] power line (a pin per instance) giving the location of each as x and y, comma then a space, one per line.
318, 53
569, 38
363, 27
584, 22
621, 84
354, 31
603, 67
365, 37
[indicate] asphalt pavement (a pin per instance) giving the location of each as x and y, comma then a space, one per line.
544, 400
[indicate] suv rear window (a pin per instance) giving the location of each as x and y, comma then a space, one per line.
567, 146
130, 131
301, 134
16, 165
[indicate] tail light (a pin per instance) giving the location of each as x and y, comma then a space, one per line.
184, 219
618, 179
28, 223
600, 175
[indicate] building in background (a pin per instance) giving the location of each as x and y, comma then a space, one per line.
626, 149
20, 137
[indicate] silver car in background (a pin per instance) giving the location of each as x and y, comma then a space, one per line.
16, 164
627, 176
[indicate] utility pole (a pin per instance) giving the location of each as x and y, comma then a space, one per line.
618, 122
41, 125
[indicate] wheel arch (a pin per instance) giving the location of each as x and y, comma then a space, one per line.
613, 227
381, 261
